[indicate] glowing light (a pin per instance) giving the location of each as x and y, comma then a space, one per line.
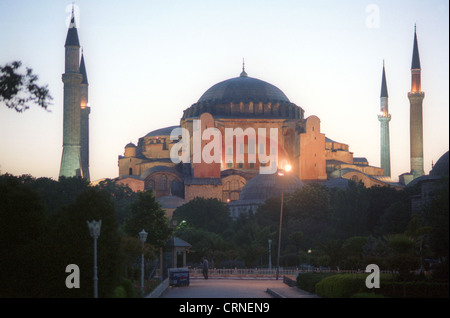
288, 168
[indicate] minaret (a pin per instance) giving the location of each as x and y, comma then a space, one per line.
71, 158
416, 97
84, 124
384, 117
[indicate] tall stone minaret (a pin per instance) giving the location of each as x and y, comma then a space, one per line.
384, 117
84, 125
416, 97
71, 157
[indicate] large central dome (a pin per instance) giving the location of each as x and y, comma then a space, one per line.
244, 97
243, 89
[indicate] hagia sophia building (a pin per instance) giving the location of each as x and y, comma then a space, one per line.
245, 103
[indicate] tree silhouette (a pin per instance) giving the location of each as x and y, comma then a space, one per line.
18, 90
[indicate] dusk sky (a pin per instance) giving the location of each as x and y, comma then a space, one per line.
147, 61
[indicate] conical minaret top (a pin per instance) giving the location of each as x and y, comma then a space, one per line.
72, 34
384, 92
415, 67
415, 64
384, 108
83, 70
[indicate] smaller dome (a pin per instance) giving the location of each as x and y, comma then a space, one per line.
130, 145
440, 168
162, 131
265, 186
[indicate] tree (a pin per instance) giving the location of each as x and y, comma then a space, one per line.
310, 201
395, 218
350, 209
121, 195
22, 223
436, 215
209, 214
71, 243
18, 90
380, 199
146, 214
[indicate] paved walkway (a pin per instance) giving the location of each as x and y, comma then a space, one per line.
235, 288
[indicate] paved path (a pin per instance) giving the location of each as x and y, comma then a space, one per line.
235, 288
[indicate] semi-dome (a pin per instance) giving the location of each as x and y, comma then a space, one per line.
161, 131
243, 89
264, 186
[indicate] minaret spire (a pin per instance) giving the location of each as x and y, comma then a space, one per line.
415, 63
84, 120
384, 118
416, 97
72, 33
384, 91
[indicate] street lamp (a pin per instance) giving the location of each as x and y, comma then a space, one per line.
94, 230
143, 238
281, 173
270, 254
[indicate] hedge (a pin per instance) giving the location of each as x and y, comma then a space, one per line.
417, 289
308, 281
350, 285
346, 285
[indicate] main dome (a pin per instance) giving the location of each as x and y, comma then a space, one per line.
244, 97
243, 89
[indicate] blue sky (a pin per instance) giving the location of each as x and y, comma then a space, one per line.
147, 61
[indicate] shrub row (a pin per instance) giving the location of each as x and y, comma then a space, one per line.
308, 281
354, 285
346, 285
418, 289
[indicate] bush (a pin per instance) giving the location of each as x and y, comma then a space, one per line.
128, 288
346, 285
341, 285
417, 289
119, 292
308, 281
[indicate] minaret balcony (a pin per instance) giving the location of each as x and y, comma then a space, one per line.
384, 117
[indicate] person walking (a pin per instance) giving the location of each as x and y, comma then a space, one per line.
205, 268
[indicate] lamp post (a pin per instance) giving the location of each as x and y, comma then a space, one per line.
143, 238
270, 254
94, 230
281, 173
